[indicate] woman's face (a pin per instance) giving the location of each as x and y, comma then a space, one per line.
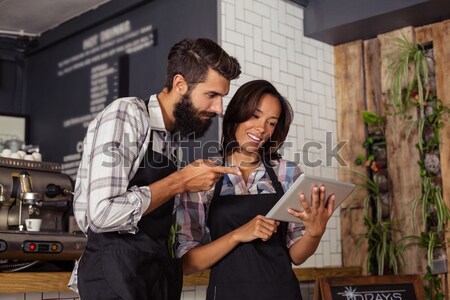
254, 132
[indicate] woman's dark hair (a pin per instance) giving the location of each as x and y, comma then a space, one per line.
243, 106
192, 58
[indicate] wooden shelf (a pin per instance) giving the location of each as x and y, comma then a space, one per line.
37, 282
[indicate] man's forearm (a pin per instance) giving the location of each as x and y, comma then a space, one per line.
164, 189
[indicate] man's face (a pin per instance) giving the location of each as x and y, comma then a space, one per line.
196, 108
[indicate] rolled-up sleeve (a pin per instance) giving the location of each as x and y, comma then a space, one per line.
191, 222
113, 147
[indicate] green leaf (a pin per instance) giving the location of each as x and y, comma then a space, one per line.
371, 118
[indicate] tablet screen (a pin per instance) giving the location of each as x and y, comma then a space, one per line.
304, 184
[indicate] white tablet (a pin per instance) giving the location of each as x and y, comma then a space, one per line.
303, 184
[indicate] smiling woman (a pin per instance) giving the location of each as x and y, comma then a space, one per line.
254, 132
249, 255
257, 100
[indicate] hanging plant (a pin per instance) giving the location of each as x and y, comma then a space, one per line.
408, 56
375, 144
385, 255
411, 63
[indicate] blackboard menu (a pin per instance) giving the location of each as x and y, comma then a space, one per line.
69, 82
389, 287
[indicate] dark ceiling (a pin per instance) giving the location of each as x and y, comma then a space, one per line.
339, 21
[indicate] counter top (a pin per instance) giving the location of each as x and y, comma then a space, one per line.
31, 282
34, 282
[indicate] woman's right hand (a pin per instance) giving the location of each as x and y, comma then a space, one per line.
258, 227
205, 256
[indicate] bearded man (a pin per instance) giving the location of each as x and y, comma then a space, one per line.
128, 176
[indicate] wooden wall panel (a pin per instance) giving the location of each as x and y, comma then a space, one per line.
372, 64
354, 249
402, 156
350, 104
363, 82
441, 43
424, 34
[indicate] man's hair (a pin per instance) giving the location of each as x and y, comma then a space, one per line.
193, 57
243, 106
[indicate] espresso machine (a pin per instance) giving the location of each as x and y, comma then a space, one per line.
37, 190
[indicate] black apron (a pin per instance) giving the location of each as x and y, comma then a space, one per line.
134, 266
255, 270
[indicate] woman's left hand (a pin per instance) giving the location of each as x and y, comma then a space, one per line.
316, 215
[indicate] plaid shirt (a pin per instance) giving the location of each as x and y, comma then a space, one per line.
115, 143
192, 212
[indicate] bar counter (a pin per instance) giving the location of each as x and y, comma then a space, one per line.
32, 282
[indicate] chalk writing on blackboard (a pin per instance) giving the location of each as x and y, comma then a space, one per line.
389, 287
374, 292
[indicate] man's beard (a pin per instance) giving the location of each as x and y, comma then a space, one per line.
188, 121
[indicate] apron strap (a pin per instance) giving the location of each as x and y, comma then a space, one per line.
279, 189
146, 104
218, 186
275, 182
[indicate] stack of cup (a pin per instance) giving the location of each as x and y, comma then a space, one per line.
20, 154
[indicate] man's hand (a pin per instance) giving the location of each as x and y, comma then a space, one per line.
202, 174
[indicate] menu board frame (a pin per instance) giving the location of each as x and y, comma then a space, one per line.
326, 287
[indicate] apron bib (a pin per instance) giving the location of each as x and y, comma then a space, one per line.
255, 270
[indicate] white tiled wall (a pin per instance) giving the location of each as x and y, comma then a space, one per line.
199, 292
40, 296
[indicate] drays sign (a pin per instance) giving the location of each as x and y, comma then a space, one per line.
389, 287
374, 292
